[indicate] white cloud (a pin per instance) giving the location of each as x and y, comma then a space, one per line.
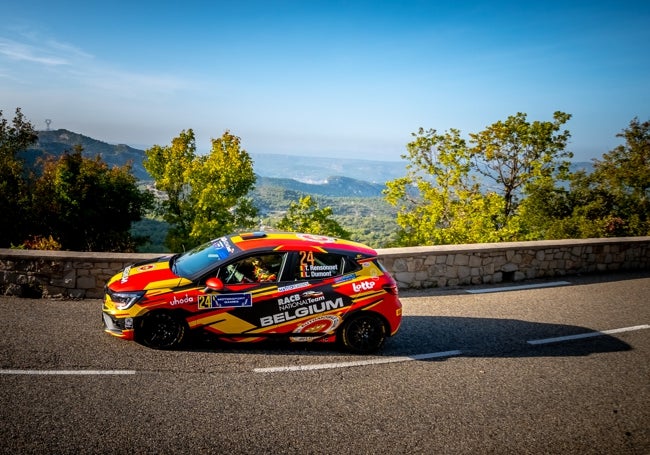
68, 67
30, 53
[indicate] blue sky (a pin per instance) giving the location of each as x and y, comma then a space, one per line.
324, 78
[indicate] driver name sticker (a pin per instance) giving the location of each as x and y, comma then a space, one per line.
225, 301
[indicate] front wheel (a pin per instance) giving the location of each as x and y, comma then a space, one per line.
161, 330
363, 333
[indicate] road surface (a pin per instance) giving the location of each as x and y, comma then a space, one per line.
560, 368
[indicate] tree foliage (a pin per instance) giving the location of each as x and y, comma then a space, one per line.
624, 175
614, 199
205, 196
85, 205
439, 200
306, 216
74, 203
169, 166
527, 191
519, 156
14, 194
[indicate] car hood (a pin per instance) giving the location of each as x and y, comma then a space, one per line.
154, 274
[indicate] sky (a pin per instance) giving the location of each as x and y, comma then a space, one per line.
333, 78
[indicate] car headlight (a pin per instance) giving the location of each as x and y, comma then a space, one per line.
125, 300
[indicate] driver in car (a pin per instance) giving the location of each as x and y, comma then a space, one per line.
261, 272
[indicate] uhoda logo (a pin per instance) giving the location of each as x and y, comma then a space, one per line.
182, 300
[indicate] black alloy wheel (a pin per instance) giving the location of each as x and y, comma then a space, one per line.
363, 333
161, 330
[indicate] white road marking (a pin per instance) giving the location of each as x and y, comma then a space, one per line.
588, 335
68, 372
357, 363
518, 288
433, 355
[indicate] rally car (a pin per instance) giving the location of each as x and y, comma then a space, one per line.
255, 286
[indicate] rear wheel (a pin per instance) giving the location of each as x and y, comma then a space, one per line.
161, 330
363, 333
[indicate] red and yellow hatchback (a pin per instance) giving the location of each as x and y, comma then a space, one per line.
256, 286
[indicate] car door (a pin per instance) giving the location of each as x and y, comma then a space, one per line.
307, 300
247, 291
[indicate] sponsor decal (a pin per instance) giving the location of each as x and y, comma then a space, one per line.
311, 294
125, 274
181, 300
297, 300
225, 301
301, 312
144, 268
317, 238
293, 287
321, 324
345, 278
225, 244
363, 286
221, 249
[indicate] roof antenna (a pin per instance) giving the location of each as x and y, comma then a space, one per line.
47, 122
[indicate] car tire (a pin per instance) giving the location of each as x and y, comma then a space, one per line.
161, 330
363, 333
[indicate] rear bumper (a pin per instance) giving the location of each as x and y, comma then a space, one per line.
396, 321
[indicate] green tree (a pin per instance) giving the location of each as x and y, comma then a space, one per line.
205, 196
613, 200
170, 168
307, 217
86, 206
14, 194
221, 182
624, 174
521, 157
439, 200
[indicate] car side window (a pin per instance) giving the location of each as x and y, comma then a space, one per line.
312, 265
264, 268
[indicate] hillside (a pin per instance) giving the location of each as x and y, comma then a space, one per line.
351, 187
56, 142
307, 175
335, 186
314, 169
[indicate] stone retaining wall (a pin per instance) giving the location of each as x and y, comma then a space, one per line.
454, 265
65, 274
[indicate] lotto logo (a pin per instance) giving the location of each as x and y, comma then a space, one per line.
363, 286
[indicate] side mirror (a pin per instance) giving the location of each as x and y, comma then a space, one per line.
214, 284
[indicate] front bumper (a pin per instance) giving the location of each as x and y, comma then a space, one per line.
118, 327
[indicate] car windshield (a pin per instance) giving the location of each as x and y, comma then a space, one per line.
201, 258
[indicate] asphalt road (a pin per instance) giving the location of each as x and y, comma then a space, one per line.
467, 373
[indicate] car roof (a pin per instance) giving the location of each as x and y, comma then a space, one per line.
293, 241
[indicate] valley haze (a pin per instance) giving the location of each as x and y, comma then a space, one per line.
307, 174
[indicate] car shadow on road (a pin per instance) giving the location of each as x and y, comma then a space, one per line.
489, 337
473, 337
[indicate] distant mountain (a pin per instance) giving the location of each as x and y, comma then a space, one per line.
57, 142
313, 169
586, 166
334, 177
336, 186
326, 175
